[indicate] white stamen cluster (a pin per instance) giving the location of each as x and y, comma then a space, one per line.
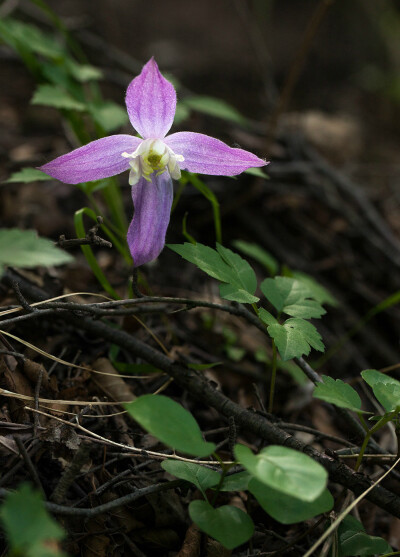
153, 155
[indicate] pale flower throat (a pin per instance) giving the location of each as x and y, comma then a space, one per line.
153, 155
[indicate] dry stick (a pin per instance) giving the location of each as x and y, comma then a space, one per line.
203, 391
29, 463
70, 473
100, 509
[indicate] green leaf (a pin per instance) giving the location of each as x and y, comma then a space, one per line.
287, 509
319, 292
266, 317
258, 253
285, 470
203, 478
27, 524
354, 541
24, 248
291, 296
256, 172
229, 525
215, 107
224, 265
236, 482
17, 34
50, 95
170, 423
339, 393
386, 389
109, 115
27, 175
83, 72
295, 338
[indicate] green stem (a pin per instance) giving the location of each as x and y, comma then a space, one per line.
273, 378
382, 422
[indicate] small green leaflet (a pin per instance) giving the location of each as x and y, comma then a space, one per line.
170, 423
50, 95
108, 115
354, 541
259, 254
215, 107
291, 296
287, 509
386, 389
239, 279
319, 292
295, 338
83, 72
24, 248
339, 393
203, 478
229, 525
285, 470
27, 175
28, 526
30, 38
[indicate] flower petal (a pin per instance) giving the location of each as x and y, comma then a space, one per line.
151, 102
99, 159
152, 202
207, 155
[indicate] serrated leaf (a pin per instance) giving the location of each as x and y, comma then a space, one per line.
24, 248
295, 338
386, 389
258, 253
203, 478
339, 393
225, 266
109, 115
229, 525
287, 509
319, 292
28, 526
27, 175
170, 423
291, 296
285, 470
50, 95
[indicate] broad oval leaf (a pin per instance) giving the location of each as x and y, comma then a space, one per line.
286, 509
386, 389
229, 525
285, 470
170, 423
236, 482
203, 478
353, 540
339, 393
28, 525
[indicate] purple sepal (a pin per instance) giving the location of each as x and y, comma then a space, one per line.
207, 155
151, 102
152, 202
96, 160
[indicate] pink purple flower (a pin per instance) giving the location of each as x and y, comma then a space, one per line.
153, 161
